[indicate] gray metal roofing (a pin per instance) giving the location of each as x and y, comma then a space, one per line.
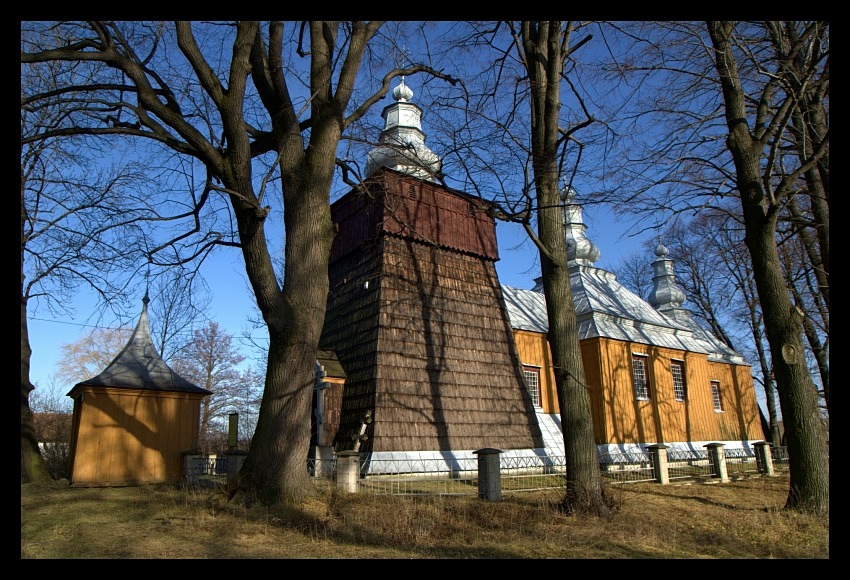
139, 366
605, 308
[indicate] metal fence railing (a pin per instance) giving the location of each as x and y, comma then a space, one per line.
684, 464
780, 457
627, 467
419, 477
516, 474
206, 470
532, 473
741, 463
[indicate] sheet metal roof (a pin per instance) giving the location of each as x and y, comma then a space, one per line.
139, 366
605, 308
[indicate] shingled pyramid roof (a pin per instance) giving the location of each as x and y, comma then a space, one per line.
139, 366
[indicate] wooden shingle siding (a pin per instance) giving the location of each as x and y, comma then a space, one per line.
426, 346
433, 215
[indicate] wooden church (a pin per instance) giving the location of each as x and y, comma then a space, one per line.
655, 375
415, 312
439, 360
133, 422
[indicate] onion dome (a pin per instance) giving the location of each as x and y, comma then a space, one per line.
402, 142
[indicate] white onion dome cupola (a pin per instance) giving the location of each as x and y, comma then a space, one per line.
402, 143
580, 250
666, 294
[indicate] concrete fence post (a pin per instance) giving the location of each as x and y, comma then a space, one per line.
235, 459
489, 475
659, 460
348, 471
764, 458
718, 460
191, 460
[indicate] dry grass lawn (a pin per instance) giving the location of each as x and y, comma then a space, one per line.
740, 519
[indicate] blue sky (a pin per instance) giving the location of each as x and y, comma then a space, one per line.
231, 302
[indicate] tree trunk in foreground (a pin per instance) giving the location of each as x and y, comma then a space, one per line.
798, 397
544, 58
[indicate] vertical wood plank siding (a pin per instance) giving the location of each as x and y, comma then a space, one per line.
125, 436
619, 418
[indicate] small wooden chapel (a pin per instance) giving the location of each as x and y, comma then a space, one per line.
133, 422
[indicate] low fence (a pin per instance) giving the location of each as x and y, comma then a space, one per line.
490, 475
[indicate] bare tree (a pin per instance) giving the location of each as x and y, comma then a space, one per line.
762, 193
73, 215
717, 106
52, 419
180, 299
804, 286
544, 49
518, 148
211, 361
88, 356
85, 211
633, 271
229, 97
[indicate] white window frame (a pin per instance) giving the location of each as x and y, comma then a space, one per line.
641, 383
716, 397
680, 385
532, 384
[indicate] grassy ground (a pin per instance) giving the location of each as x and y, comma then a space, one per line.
740, 519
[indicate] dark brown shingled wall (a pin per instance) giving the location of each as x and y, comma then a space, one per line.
426, 345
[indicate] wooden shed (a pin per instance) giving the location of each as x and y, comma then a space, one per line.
133, 422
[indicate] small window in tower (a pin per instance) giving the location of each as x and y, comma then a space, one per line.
472, 209
411, 191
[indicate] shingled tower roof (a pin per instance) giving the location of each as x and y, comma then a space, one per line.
139, 366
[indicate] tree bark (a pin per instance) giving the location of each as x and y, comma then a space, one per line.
33, 466
544, 60
807, 450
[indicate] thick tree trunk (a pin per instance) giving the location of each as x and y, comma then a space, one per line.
584, 479
276, 466
798, 398
544, 58
33, 466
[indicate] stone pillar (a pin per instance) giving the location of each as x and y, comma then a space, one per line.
659, 460
718, 460
191, 459
235, 460
232, 431
348, 471
489, 476
764, 458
